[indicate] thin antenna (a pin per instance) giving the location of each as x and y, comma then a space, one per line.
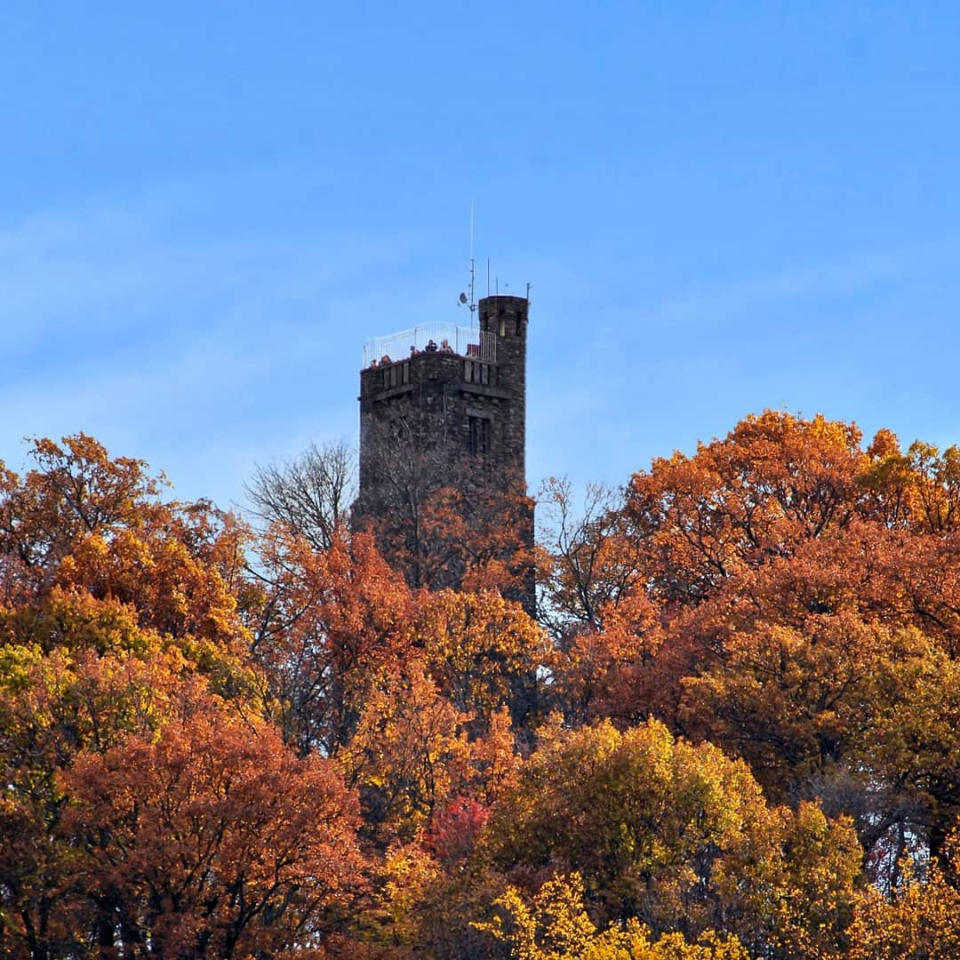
464, 300
473, 305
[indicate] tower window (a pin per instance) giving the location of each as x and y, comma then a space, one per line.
476, 372
479, 435
392, 374
503, 327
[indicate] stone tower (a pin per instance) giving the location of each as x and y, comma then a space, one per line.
443, 405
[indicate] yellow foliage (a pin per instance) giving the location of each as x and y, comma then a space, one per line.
409, 750
678, 834
483, 651
921, 922
555, 926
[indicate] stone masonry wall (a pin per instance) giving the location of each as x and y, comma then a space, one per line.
461, 409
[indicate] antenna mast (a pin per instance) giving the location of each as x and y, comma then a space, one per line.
464, 300
473, 305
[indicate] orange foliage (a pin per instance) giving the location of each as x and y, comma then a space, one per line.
85, 523
51, 707
773, 482
331, 620
412, 752
194, 746
794, 591
481, 533
210, 839
597, 672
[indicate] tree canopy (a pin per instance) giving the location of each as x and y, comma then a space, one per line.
731, 732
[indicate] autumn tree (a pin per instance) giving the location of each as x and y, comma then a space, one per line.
622, 669
687, 528
773, 482
677, 836
484, 652
417, 759
918, 490
789, 589
913, 747
87, 523
330, 621
800, 666
53, 706
117, 611
75, 490
409, 753
210, 840
920, 920
554, 925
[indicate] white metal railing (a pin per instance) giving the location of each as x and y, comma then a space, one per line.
431, 338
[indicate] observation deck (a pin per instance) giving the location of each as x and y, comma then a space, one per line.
468, 342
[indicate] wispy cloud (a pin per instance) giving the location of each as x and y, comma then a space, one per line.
813, 280
112, 325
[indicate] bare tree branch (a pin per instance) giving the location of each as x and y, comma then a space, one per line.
309, 495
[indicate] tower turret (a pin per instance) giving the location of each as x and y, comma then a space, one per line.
505, 319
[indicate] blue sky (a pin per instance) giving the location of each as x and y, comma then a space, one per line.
721, 207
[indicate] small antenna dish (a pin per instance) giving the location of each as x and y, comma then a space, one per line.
463, 299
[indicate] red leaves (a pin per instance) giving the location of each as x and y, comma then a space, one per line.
454, 830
